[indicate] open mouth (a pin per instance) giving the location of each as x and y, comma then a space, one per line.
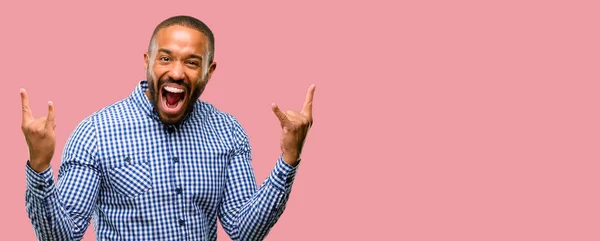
173, 97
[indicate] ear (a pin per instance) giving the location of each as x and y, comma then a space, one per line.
146, 59
211, 69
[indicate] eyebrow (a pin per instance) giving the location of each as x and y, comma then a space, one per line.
169, 52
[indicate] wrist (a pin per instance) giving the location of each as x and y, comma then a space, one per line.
291, 159
38, 167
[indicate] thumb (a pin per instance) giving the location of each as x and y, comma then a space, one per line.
50, 124
280, 115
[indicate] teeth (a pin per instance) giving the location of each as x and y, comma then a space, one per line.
173, 89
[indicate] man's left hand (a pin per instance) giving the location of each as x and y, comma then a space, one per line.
294, 127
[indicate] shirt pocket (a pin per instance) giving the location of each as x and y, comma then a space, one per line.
130, 175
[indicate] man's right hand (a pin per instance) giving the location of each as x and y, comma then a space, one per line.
39, 134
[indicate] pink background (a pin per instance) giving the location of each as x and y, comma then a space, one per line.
436, 120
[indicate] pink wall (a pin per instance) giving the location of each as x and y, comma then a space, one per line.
436, 120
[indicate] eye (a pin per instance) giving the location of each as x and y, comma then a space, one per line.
193, 63
164, 59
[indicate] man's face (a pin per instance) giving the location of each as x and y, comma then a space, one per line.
175, 72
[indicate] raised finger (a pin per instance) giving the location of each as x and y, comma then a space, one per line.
308, 102
27, 115
283, 119
50, 119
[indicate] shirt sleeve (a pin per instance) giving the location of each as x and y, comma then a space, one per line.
248, 213
62, 211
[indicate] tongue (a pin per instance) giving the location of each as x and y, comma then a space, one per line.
173, 98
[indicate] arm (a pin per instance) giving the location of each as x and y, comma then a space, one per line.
248, 214
59, 211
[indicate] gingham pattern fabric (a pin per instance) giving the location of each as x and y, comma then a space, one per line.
142, 180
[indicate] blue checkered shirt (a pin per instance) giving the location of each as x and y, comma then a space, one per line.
143, 180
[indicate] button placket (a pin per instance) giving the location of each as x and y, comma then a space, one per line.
172, 137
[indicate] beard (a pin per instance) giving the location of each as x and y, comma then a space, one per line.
191, 100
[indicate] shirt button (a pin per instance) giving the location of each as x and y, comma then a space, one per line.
176, 159
40, 187
179, 190
181, 222
171, 129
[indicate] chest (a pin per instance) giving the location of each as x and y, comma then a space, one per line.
150, 166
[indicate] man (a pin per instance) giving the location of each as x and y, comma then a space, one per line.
160, 164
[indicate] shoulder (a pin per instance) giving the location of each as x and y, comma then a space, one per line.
217, 117
224, 124
108, 116
110, 110
120, 110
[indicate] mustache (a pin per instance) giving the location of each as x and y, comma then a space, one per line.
181, 82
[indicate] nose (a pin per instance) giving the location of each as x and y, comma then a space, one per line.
176, 72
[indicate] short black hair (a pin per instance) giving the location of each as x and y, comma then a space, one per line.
188, 22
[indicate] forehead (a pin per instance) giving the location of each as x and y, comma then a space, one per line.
181, 39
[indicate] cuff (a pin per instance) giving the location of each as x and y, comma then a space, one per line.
283, 175
40, 184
